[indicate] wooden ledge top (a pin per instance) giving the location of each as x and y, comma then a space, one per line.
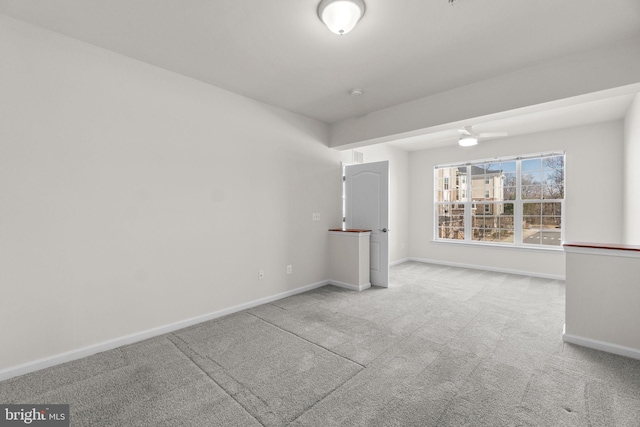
350, 230
611, 246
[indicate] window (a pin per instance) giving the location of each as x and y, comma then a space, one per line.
512, 201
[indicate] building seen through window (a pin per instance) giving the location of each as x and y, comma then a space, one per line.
511, 201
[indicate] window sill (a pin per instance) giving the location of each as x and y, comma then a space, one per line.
535, 248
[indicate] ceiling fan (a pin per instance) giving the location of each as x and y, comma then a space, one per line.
468, 137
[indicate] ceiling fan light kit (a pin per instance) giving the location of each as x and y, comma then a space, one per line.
467, 141
469, 138
341, 16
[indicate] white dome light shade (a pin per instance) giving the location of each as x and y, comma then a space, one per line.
341, 16
467, 141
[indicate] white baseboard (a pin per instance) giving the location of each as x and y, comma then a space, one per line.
398, 261
602, 346
349, 285
487, 268
69, 356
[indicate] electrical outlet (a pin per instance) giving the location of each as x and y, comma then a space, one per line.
316, 217
261, 275
289, 269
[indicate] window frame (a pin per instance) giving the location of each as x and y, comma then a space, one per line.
498, 205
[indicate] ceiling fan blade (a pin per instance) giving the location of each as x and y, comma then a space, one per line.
492, 134
465, 131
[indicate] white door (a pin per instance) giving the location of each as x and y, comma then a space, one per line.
367, 207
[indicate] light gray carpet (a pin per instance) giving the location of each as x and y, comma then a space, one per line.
441, 346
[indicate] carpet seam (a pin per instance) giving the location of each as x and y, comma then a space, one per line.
307, 409
210, 377
392, 347
306, 340
277, 306
293, 419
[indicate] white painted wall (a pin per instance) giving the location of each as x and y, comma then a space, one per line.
602, 295
349, 255
594, 174
398, 194
631, 206
132, 197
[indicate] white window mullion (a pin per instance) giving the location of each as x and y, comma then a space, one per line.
436, 205
517, 207
467, 207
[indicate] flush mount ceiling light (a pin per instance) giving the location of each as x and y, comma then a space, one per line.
467, 141
341, 16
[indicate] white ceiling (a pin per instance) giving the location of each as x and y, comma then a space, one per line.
278, 51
